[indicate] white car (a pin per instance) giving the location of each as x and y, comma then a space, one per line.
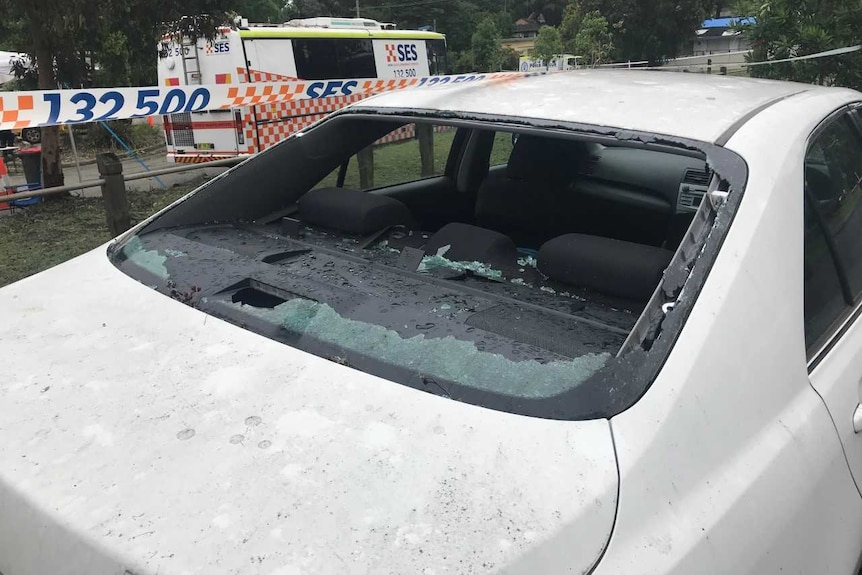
591, 322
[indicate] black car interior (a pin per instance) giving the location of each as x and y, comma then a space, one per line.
547, 251
601, 219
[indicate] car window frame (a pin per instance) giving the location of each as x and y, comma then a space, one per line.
821, 348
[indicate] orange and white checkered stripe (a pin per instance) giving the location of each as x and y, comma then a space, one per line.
403, 133
375, 86
11, 106
253, 76
277, 121
238, 97
248, 133
200, 159
278, 114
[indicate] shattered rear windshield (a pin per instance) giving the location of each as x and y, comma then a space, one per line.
487, 263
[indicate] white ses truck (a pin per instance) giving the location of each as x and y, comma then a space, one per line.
309, 49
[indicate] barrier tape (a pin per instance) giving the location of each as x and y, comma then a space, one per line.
53, 107
675, 65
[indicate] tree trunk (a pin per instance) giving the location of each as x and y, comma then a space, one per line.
425, 135
52, 169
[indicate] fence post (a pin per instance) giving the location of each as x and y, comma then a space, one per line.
114, 193
365, 158
425, 135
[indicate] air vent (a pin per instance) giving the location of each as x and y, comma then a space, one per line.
689, 200
692, 189
696, 177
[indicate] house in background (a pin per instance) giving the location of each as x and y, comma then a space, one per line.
720, 35
526, 32
719, 46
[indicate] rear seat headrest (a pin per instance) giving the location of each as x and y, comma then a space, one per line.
611, 267
553, 159
352, 211
471, 243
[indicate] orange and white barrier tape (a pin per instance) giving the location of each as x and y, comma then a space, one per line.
52, 107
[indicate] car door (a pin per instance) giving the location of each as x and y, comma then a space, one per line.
833, 275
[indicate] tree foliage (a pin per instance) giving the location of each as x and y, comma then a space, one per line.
270, 11
75, 43
548, 44
653, 30
593, 39
487, 51
313, 9
788, 28
569, 27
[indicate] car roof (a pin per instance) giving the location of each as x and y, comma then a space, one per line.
696, 106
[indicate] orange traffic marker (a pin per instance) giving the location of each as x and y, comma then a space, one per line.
5, 184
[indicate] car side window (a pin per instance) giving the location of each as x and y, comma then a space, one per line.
824, 298
833, 227
397, 158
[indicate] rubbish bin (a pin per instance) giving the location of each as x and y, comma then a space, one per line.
31, 160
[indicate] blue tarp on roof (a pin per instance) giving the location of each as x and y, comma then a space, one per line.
726, 22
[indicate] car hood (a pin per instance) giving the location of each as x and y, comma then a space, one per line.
138, 435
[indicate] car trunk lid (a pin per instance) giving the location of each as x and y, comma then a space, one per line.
139, 434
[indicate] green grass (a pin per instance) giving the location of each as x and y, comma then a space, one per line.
38, 237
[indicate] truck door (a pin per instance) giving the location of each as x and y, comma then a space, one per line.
269, 59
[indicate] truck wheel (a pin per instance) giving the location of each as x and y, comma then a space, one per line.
32, 135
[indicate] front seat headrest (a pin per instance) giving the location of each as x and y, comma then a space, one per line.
548, 159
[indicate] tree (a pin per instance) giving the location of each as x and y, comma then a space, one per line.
510, 59
552, 10
458, 19
548, 44
314, 8
66, 38
505, 24
593, 40
269, 11
487, 55
569, 27
788, 28
651, 31
461, 62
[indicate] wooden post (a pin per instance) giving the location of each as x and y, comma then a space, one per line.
365, 157
114, 193
425, 135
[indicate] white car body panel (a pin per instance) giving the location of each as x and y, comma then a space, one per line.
295, 464
693, 106
730, 440
838, 379
730, 463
